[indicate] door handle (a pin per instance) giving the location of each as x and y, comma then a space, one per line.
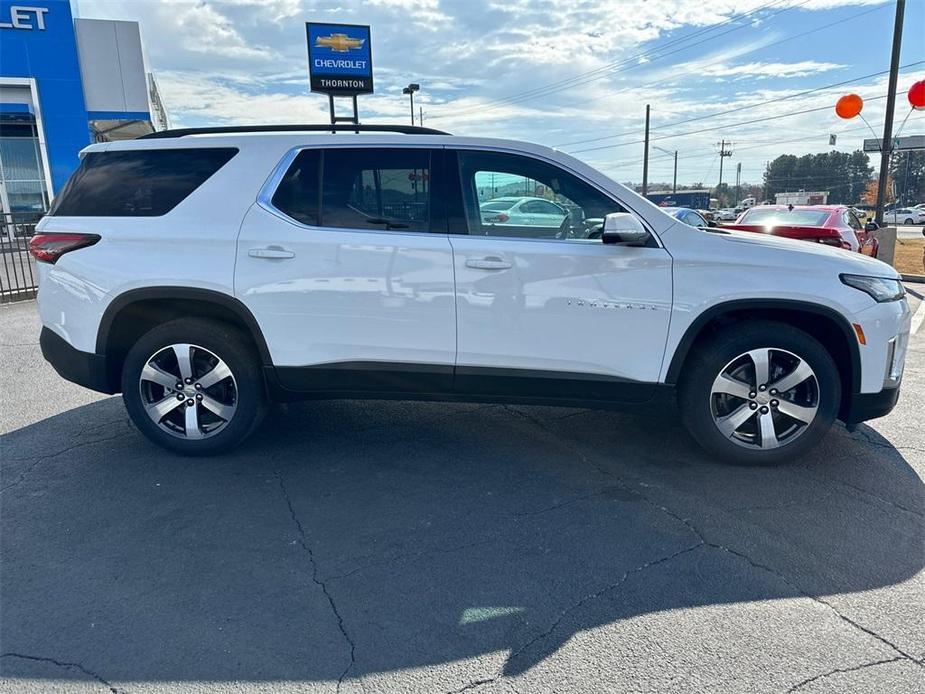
490, 263
274, 252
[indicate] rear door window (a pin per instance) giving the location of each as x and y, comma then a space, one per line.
359, 188
137, 183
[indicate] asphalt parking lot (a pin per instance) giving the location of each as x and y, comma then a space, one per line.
409, 547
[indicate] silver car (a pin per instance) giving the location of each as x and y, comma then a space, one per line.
523, 211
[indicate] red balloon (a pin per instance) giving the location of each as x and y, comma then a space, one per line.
849, 106
917, 95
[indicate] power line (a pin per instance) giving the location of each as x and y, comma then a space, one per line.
719, 62
726, 125
611, 68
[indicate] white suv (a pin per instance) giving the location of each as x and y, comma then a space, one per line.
205, 272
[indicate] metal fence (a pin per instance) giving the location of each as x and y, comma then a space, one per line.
18, 278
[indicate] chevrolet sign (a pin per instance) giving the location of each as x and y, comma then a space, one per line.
339, 59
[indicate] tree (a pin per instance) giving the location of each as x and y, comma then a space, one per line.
908, 172
842, 174
869, 196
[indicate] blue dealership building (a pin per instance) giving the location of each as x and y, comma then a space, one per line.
65, 82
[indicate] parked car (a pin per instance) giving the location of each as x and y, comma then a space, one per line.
523, 211
205, 272
691, 217
727, 214
831, 225
905, 215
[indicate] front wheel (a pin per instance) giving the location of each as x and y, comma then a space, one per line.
193, 386
759, 393
909, 221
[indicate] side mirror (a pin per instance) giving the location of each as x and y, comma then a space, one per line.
871, 226
711, 223
624, 228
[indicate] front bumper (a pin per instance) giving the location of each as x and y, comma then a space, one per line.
83, 368
864, 406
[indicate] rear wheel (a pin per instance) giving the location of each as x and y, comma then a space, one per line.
909, 221
759, 393
193, 386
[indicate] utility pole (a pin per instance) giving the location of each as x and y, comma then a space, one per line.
420, 115
735, 202
723, 152
674, 180
645, 159
886, 147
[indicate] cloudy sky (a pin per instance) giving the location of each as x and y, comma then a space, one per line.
575, 74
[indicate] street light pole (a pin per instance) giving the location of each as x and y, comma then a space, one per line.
886, 147
674, 181
410, 90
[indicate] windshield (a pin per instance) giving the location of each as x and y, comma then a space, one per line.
794, 217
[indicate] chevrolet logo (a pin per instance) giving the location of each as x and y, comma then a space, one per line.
339, 43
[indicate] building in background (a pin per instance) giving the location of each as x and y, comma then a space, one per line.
65, 83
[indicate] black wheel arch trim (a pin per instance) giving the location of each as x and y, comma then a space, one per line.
221, 299
726, 307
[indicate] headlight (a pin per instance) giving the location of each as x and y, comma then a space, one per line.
880, 289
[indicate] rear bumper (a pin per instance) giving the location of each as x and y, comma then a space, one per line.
83, 368
864, 406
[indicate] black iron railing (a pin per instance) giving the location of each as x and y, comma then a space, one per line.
18, 277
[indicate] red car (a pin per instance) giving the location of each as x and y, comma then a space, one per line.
833, 225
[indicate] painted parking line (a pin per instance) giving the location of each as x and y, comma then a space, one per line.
918, 318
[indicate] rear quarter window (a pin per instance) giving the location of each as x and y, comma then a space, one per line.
137, 183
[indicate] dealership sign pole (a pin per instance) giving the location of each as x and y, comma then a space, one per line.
340, 63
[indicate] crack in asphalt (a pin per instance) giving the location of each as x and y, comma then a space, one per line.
66, 665
561, 504
836, 671
410, 555
303, 541
41, 459
705, 542
866, 438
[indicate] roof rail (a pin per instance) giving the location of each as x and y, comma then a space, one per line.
319, 128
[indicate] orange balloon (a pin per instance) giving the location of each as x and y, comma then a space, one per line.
849, 106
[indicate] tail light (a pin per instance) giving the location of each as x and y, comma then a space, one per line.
500, 218
836, 241
49, 247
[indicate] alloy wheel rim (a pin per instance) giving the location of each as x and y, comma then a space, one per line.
764, 398
188, 391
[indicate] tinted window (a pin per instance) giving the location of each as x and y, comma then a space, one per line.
137, 183
299, 194
376, 189
572, 209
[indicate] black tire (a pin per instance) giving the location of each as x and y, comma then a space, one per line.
909, 221
224, 342
711, 356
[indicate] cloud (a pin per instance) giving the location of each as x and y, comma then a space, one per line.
765, 70
550, 71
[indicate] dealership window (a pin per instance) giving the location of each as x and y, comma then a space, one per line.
137, 183
515, 196
23, 188
358, 188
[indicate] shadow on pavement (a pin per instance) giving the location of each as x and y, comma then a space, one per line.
349, 538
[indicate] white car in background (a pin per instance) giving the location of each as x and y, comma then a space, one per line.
726, 215
523, 211
905, 215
